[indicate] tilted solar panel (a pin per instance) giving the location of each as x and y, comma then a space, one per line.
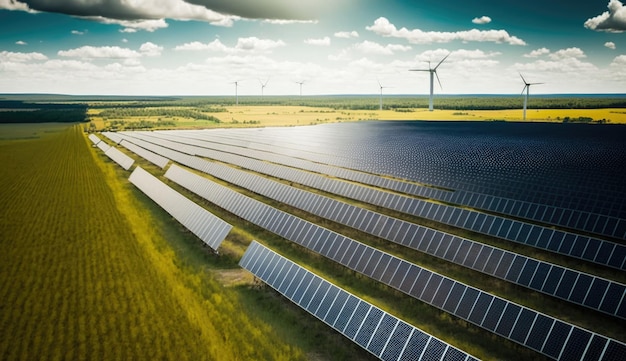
120, 158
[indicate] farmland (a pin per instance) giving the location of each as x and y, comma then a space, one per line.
86, 274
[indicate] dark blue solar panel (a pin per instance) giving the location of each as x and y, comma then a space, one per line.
540, 276
442, 292
472, 254
383, 332
614, 351
344, 315
553, 279
565, 287
326, 303
544, 239
508, 319
462, 253
523, 325
482, 258
539, 332
431, 288
576, 345
455, 244
368, 327
505, 264
579, 246
480, 308
334, 311
528, 272
434, 350
516, 268
467, 302
397, 341
365, 258
592, 249
400, 274
415, 346
504, 229
454, 355
420, 283
493, 315
372, 264
554, 344
596, 348
568, 242
493, 261
596, 292
533, 236
581, 288
604, 253
614, 295
454, 297
618, 256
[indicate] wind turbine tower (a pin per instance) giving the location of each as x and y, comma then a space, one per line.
433, 73
236, 94
300, 82
263, 85
527, 89
381, 94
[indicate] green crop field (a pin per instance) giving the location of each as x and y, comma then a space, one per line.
87, 275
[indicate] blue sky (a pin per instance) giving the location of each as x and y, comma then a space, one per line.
200, 47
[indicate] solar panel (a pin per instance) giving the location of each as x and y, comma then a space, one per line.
181, 208
120, 158
373, 329
145, 154
103, 146
94, 138
485, 309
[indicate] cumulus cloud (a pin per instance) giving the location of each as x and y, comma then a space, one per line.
610, 45
383, 27
619, 61
92, 52
482, 20
8, 56
568, 53
150, 49
132, 26
243, 45
288, 22
325, 41
20, 42
123, 12
537, 53
346, 34
370, 47
613, 21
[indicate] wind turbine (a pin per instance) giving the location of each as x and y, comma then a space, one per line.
236, 82
381, 93
263, 85
300, 82
527, 89
433, 73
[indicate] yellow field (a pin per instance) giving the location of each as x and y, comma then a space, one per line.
272, 116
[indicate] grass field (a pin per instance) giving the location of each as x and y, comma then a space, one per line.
87, 275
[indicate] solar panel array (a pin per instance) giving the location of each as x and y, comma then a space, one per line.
571, 244
120, 158
94, 139
146, 154
378, 332
103, 146
574, 286
113, 137
540, 332
206, 226
574, 219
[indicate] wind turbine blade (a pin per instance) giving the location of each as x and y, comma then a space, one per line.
442, 60
438, 81
523, 89
419, 69
524, 80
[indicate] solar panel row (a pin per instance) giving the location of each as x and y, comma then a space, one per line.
378, 332
146, 154
458, 299
103, 146
206, 226
574, 219
113, 137
567, 284
94, 138
570, 244
120, 158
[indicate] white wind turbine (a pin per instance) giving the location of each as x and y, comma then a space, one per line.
433, 73
236, 82
527, 89
381, 94
300, 82
263, 85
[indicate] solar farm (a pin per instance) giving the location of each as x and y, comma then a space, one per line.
433, 214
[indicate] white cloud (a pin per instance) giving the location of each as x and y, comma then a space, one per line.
92, 52
20, 42
15, 5
613, 21
124, 40
610, 45
250, 44
77, 32
383, 27
150, 49
255, 44
370, 47
347, 34
619, 61
8, 56
569, 53
325, 41
537, 53
482, 20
